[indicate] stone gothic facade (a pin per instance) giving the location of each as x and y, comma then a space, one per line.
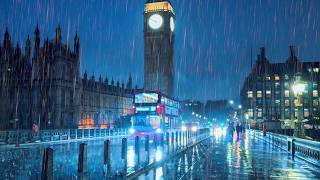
267, 96
42, 85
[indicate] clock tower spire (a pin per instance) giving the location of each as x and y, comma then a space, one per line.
159, 20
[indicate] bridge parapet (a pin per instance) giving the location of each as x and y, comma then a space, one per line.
27, 136
302, 148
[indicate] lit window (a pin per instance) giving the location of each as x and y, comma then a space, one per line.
268, 92
259, 113
286, 103
286, 76
286, 85
250, 94
315, 85
268, 78
286, 93
306, 113
276, 77
315, 102
250, 112
277, 101
286, 113
295, 112
315, 93
259, 94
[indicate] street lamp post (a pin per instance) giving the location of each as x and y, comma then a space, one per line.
299, 88
16, 126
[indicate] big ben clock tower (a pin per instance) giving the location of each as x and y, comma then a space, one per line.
159, 21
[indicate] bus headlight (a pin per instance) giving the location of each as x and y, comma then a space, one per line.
194, 129
131, 130
159, 130
183, 128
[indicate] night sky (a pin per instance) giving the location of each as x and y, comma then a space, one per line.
213, 38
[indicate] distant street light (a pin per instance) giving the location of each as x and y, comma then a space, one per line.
299, 88
240, 107
231, 102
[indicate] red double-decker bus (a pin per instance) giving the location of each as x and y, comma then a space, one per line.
154, 112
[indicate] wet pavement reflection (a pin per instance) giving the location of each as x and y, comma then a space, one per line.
227, 157
25, 161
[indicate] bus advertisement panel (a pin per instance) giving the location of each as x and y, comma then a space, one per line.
154, 112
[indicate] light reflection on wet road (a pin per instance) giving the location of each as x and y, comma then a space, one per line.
26, 160
225, 157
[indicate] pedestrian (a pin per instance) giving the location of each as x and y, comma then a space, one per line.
264, 128
238, 130
231, 129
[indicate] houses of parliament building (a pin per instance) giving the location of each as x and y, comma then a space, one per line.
43, 86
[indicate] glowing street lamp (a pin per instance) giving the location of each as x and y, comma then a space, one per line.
231, 102
299, 88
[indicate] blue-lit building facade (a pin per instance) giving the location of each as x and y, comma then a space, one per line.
267, 97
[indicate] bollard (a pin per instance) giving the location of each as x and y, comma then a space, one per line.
147, 148
106, 157
47, 164
124, 153
147, 143
124, 148
187, 135
172, 138
82, 160
155, 139
177, 135
172, 141
293, 147
76, 134
136, 151
82, 134
180, 137
162, 139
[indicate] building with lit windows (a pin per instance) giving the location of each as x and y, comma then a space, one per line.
42, 86
267, 97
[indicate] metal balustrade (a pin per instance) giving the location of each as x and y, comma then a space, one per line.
27, 136
297, 147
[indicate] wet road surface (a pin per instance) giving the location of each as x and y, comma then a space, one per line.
226, 157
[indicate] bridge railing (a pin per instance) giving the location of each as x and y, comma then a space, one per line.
27, 136
302, 148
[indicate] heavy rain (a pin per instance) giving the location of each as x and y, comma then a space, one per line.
159, 89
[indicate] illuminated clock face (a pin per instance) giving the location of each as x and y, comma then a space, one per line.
155, 21
171, 24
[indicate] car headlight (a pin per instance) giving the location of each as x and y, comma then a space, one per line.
131, 130
194, 128
183, 128
158, 130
